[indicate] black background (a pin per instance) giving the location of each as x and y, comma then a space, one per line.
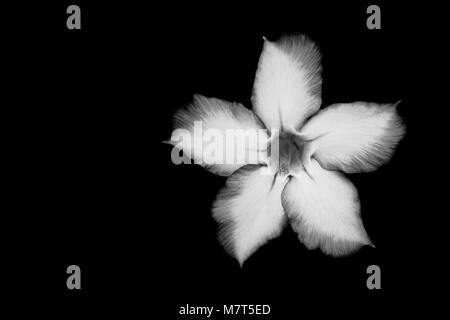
102, 192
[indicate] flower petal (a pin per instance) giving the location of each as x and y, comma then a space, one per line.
288, 84
323, 208
219, 135
249, 210
354, 137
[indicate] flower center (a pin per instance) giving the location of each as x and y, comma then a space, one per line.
290, 151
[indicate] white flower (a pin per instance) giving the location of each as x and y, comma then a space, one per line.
304, 187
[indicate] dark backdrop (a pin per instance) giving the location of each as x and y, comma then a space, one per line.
103, 193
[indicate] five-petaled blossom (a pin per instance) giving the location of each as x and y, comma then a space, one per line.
304, 187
